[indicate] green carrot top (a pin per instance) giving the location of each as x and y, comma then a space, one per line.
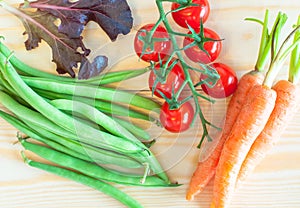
294, 72
280, 54
267, 38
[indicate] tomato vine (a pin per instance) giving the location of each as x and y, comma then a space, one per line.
166, 65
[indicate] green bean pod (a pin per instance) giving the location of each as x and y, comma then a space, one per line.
85, 132
143, 156
7, 86
21, 111
90, 169
103, 106
94, 115
34, 119
88, 181
135, 130
97, 155
114, 125
103, 79
113, 77
31, 133
102, 93
81, 150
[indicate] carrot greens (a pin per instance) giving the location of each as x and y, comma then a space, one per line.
279, 57
294, 73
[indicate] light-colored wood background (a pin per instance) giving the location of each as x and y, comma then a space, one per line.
275, 182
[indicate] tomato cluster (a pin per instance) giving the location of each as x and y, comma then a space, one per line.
200, 45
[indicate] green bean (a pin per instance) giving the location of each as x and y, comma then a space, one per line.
138, 150
2, 88
9, 90
86, 133
20, 65
103, 79
64, 145
108, 141
113, 77
86, 121
96, 155
102, 93
22, 111
33, 134
32, 118
107, 78
135, 130
94, 115
88, 181
35, 117
6, 85
27, 114
90, 169
103, 106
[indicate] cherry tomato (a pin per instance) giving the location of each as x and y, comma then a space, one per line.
225, 86
213, 48
177, 120
191, 15
174, 80
155, 49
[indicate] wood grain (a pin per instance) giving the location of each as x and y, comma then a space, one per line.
275, 182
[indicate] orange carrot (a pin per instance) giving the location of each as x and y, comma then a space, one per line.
250, 122
255, 115
206, 169
285, 107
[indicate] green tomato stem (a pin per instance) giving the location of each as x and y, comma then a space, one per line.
189, 82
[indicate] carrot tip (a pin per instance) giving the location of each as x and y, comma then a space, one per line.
189, 198
192, 192
190, 195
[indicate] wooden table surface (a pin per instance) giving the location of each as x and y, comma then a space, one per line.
275, 182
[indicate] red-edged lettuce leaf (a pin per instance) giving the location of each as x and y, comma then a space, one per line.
64, 49
113, 16
68, 50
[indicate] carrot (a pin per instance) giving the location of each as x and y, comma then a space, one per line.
250, 122
285, 107
206, 169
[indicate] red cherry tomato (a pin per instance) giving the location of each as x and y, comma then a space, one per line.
225, 86
191, 15
154, 50
213, 48
177, 120
174, 80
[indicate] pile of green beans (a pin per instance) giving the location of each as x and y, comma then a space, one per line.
81, 126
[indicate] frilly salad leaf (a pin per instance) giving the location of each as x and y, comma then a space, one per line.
40, 21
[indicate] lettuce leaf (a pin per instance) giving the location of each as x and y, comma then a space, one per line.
68, 50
